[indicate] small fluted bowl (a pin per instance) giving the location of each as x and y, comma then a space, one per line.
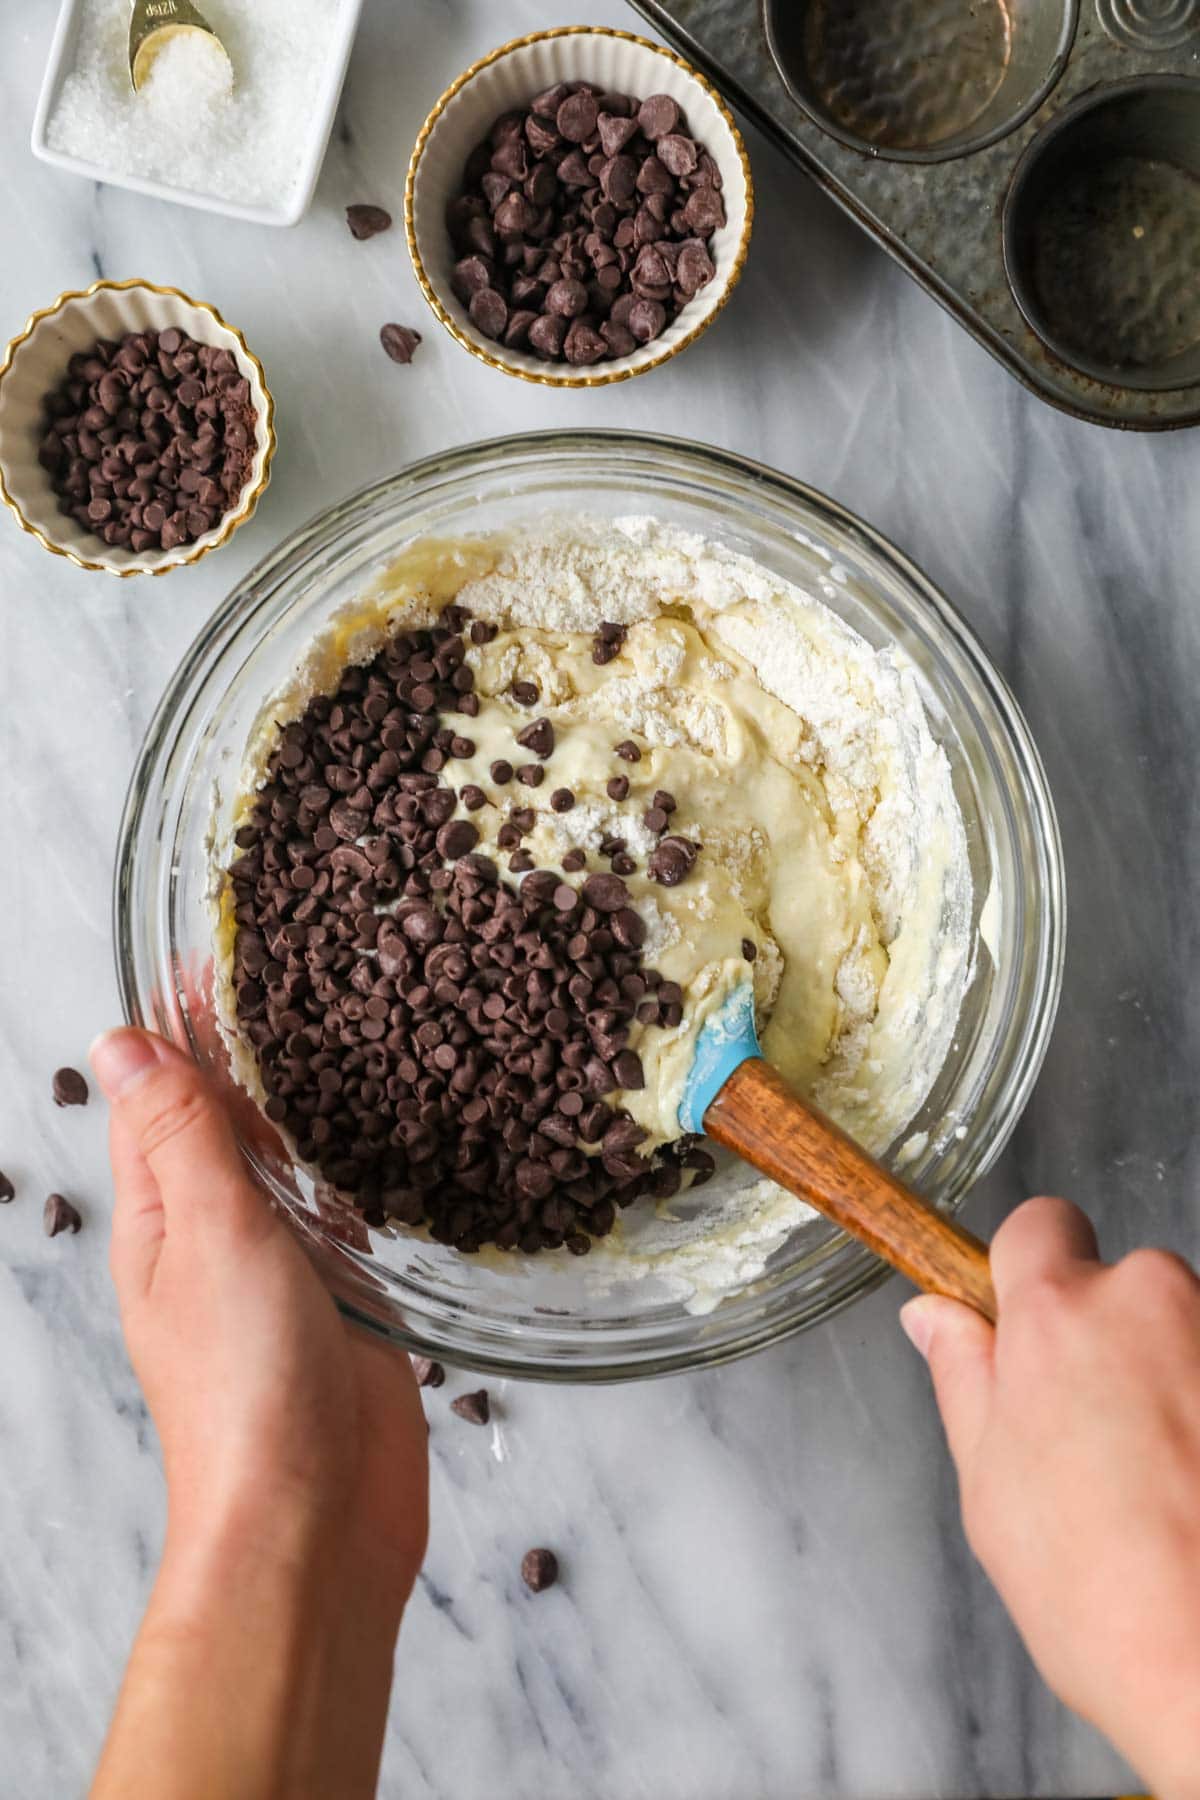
506, 80
35, 363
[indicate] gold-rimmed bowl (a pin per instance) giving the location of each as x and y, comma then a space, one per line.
34, 364
507, 79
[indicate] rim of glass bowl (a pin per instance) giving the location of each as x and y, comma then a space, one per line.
837, 1271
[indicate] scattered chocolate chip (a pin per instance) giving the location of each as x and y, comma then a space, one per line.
617, 787
655, 819
539, 1570
501, 772
671, 861
7, 1190
562, 800
531, 774
399, 341
664, 800
607, 643
749, 949
628, 751
428, 1373
59, 1215
573, 861
475, 1408
473, 797
367, 221
526, 693
69, 1088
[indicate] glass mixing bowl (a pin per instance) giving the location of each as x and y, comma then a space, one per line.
548, 1316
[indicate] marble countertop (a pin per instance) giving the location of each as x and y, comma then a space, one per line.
767, 1594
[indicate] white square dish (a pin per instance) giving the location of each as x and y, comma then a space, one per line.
309, 157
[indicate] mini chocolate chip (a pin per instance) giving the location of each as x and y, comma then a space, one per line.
655, 819
399, 341
657, 116
428, 1373
623, 864
628, 751
531, 774
367, 221
7, 1190
501, 772
562, 800
617, 787
69, 1088
476, 1407
664, 800
539, 1569
59, 1215
473, 797
538, 737
526, 693
672, 861
573, 861
749, 949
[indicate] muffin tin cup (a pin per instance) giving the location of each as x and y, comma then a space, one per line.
1035, 164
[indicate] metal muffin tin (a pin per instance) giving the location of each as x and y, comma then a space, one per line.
1035, 164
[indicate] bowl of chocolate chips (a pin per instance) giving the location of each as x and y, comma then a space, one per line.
578, 207
136, 428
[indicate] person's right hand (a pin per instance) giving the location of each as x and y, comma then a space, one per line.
1075, 1429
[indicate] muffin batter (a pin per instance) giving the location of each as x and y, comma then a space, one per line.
831, 865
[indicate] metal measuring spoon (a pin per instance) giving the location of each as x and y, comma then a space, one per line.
153, 22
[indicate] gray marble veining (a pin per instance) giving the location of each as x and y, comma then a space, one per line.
767, 1592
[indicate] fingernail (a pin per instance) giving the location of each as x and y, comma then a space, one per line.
917, 1324
121, 1058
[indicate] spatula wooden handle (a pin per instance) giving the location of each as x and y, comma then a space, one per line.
758, 1116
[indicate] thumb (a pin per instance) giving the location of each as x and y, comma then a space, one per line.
173, 1131
959, 1346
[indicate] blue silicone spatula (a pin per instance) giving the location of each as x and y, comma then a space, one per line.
736, 1098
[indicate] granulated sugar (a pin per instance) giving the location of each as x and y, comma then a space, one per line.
195, 124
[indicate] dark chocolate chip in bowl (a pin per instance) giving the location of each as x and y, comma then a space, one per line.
655, 819
69, 1088
367, 221
657, 116
59, 1215
628, 751
617, 787
525, 693
475, 1407
539, 1569
501, 772
428, 1373
671, 861
399, 341
7, 1190
488, 311
562, 800
531, 774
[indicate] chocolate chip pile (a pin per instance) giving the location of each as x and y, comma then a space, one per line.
584, 223
149, 440
443, 1044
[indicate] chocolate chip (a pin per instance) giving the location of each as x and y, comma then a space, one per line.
399, 341
629, 928
749, 949
664, 800
539, 1570
59, 1215
657, 116
531, 774
457, 838
538, 737
606, 893
627, 1067
672, 860
573, 861
69, 1088
562, 800
428, 1373
7, 1190
501, 772
526, 693
628, 751
617, 787
655, 819
473, 797
475, 1408
367, 221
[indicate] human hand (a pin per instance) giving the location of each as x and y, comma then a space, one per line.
294, 1446
1075, 1429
